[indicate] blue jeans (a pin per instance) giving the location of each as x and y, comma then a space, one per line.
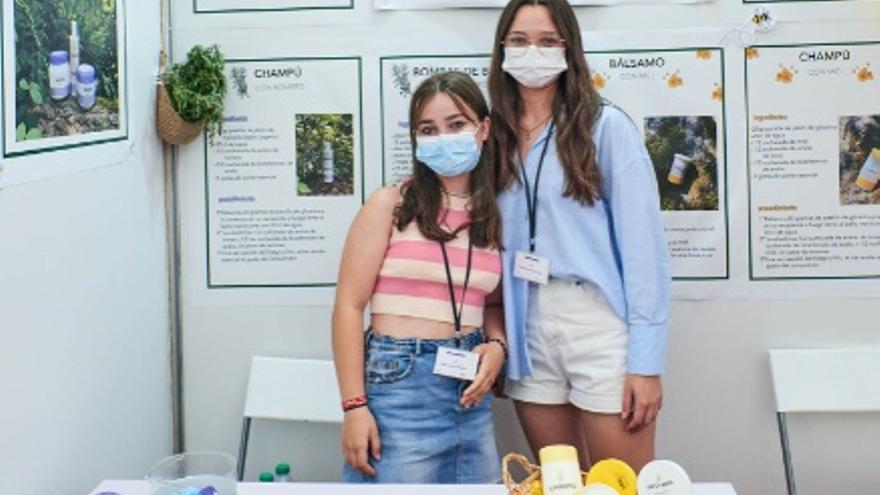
426, 436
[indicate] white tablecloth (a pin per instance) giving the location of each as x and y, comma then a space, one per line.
138, 487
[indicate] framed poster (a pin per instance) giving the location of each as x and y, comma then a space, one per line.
285, 179
498, 4
232, 6
813, 160
64, 74
676, 99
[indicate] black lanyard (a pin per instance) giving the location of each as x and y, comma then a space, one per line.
457, 310
532, 198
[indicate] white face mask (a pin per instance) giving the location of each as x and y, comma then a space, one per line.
534, 68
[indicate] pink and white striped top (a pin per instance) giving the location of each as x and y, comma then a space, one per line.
412, 280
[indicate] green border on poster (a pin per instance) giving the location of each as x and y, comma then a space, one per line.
720, 50
752, 276
120, 8
196, 10
382, 91
207, 188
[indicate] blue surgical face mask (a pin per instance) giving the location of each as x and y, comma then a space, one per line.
449, 154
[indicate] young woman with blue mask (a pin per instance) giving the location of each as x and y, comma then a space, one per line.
586, 268
425, 256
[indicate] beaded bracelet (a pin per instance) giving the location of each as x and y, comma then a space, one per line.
354, 403
501, 343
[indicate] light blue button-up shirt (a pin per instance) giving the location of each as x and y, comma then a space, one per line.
618, 243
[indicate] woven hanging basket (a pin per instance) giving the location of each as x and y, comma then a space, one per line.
171, 127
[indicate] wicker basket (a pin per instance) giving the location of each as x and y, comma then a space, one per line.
533, 476
524, 487
171, 127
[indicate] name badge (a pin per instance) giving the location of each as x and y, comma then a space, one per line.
531, 267
456, 363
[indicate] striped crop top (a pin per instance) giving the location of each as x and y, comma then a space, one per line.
412, 280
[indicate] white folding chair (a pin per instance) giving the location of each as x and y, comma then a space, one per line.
288, 390
822, 380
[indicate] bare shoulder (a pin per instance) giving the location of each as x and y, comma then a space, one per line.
382, 202
384, 198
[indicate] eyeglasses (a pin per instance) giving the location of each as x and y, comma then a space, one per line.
517, 44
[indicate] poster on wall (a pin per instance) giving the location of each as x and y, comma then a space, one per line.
64, 74
676, 99
284, 180
814, 160
220, 6
464, 4
400, 76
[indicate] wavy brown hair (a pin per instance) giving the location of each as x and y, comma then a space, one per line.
423, 192
576, 106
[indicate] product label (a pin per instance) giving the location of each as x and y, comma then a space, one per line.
561, 477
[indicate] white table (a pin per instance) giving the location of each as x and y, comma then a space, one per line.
138, 487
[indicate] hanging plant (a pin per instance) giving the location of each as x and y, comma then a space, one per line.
191, 96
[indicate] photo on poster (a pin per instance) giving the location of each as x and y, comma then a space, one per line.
860, 160
64, 74
684, 151
325, 154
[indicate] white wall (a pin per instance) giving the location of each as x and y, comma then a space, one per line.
84, 381
718, 418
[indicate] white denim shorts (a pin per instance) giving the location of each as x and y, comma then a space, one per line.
578, 349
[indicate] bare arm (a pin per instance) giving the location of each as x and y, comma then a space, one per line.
361, 261
491, 353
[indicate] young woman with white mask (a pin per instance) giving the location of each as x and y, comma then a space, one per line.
585, 263
425, 256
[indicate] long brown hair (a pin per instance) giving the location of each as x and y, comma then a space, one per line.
423, 193
576, 105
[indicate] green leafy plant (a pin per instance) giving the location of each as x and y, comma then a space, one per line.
197, 87
22, 133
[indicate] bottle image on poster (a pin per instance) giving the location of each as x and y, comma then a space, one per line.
860, 160
813, 162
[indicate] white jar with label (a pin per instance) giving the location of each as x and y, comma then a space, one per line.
663, 477
560, 470
86, 86
59, 75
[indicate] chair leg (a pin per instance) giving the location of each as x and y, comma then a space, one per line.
786, 453
242, 448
